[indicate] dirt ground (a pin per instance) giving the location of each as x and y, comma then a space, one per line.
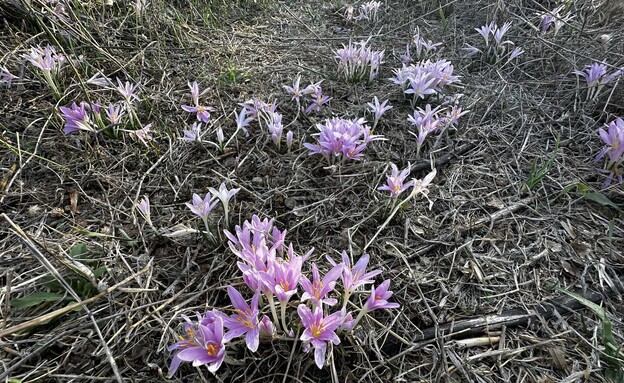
520, 211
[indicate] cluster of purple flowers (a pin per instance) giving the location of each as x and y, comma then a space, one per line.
613, 138
342, 138
367, 11
267, 115
273, 270
422, 47
498, 48
424, 79
396, 185
596, 76
49, 63
312, 95
429, 120
359, 62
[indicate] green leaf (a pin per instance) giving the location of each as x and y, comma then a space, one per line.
78, 250
601, 199
35, 299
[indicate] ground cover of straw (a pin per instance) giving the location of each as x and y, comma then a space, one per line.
488, 245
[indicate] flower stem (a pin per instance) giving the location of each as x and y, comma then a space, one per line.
362, 312
273, 312
283, 314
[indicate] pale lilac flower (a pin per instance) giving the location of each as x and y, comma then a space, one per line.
613, 137
128, 90
421, 186
242, 121
485, 31
368, 11
76, 118
195, 95
194, 134
289, 140
396, 181
379, 298
319, 330
359, 62
144, 208
356, 276
554, 19
114, 113
6, 77
426, 121
245, 321
294, 90
316, 99
202, 112
45, 59
378, 109
500, 32
224, 195
596, 77
515, 53
202, 343
202, 206
454, 113
220, 137
422, 45
144, 134
318, 288
275, 128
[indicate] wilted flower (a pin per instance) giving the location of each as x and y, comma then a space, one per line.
144, 134
76, 118
421, 186
319, 330
144, 208
396, 181
554, 19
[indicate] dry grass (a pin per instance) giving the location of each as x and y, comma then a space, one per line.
488, 245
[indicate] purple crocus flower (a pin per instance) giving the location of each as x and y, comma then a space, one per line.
379, 298
144, 209
285, 277
319, 330
318, 288
614, 138
202, 343
202, 206
202, 112
144, 134
114, 113
242, 121
294, 90
500, 32
396, 181
378, 109
485, 31
6, 77
193, 134
356, 276
245, 321
127, 90
76, 118
224, 195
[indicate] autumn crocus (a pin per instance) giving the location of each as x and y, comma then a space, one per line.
114, 113
356, 276
202, 343
317, 289
76, 118
613, 138
202, 112
377, 300
396, 181
128, 90
378, 110
224, 195
202, 207
295, 90
193, 134
144, 134
319, 330
245, 320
